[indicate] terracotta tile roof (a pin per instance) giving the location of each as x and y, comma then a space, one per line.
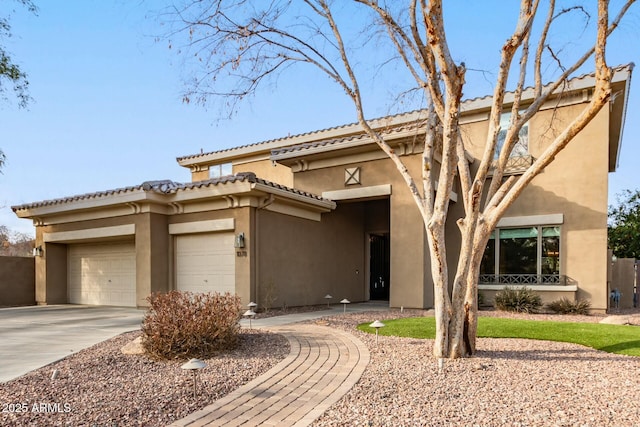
409, 126
336, 141
168, 187
298, 136
87, 196
465, 103
242, 177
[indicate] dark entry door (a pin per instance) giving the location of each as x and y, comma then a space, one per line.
379, 267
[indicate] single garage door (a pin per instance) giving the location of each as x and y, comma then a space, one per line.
205, 262
102, 274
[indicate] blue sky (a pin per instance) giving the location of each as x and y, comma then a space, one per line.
107, 108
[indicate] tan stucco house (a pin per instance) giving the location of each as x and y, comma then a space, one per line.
327, 213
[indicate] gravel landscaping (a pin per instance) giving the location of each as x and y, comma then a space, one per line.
508, 383
102, 387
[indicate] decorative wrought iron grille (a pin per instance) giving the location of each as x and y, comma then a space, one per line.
523, 279
516, 165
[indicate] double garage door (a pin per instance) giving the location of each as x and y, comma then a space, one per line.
105, 274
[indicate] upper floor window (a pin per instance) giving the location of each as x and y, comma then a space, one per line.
221, 170
521, 148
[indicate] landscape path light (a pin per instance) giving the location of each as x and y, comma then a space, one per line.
249, 313
252, 306
377, 324
345, 302
194, 365
328, 298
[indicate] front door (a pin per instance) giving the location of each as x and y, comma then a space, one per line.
379, 267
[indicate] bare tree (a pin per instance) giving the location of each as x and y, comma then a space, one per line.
10, 71
241, 43
14, 243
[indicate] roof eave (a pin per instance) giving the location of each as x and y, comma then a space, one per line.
135, 199
616, 124
229, 155
86, 203
320, 204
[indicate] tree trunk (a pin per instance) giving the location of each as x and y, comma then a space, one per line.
471, 297
439, 271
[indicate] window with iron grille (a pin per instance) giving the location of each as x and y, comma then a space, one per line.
527, 255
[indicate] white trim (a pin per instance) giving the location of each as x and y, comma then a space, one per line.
518, 221
369, 156
453, 196
358, 193
90, 233
309, 202
545, 288
293, 210
203, 226
253, 159
473, 117
622, 121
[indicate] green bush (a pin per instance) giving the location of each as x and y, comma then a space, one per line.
480, 299
182, 325
566, 306
522, 300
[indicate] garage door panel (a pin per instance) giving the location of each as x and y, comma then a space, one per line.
205, 262
102, 274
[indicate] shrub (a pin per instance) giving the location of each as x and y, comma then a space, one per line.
182, 325
480, 299
522, 300
566, 306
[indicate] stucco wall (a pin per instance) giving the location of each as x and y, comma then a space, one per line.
575, 185
17, 281
152, 256
300, 261
265, 169
410, 276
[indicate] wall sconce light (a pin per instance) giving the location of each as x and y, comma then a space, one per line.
38, 251
239, 242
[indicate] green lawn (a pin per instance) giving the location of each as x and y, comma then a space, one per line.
620, 339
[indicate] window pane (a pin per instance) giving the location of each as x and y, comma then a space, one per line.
515, 233
550, 231
551, 254
488, 264
521, 147
501, 137
519, 251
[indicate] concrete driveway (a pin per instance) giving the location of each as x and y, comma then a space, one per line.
32, 337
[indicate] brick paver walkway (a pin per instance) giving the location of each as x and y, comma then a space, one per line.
322, 367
